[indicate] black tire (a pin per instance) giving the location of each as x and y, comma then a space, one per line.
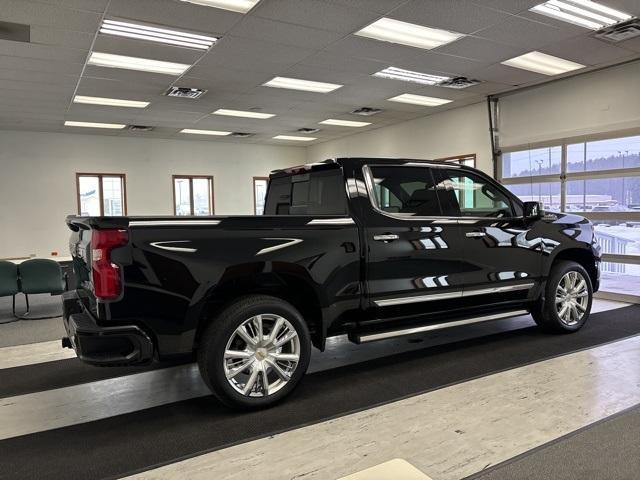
221, 329
545, 312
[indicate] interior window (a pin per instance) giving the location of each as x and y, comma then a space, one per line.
407, 191
469, 195
315, 193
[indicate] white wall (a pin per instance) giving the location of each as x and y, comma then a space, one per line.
459, 131
597, 102
38, 189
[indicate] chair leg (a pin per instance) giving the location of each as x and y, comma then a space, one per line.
13, 305
26, 299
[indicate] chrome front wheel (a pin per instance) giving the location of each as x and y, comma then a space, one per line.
572, 298
261, 355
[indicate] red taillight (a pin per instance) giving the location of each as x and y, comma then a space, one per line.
106, 275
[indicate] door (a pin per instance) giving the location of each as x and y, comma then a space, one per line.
413, 252
502, 260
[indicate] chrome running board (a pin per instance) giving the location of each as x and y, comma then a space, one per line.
373, 336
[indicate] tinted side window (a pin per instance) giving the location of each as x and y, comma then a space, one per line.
469, 195
407, 191
315, 193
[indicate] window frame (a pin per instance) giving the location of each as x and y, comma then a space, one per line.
456, 159
565, 176
191, 202
368, 180
123, 180
255, 203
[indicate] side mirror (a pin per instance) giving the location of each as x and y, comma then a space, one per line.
532, 210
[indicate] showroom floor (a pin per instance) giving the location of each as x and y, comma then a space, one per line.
441, 406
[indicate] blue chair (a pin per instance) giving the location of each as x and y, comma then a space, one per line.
40, 275
9, 281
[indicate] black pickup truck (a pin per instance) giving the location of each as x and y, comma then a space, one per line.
371, 248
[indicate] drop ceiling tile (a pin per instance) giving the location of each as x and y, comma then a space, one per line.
36, 13
99, 113
132, 77
36, 65
251, 54
284, 33
149, 116
139, 48
260, 101
43, 52
87, 5
336, 61
176, 14
525, 33
104, 87
461, 16
379, 6
510, 6
508, 75
312, 13
569, 29
481, 49
586, 50
61, 38
27, 86
19, 76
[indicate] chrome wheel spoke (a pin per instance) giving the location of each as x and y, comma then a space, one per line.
286, 357
243, 366
281, 373
262, 344
251, 381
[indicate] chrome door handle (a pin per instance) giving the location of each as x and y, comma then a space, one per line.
389, 237
475, 234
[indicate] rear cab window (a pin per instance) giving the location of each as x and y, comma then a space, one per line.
319, 192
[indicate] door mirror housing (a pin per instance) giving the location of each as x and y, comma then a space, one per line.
532, 210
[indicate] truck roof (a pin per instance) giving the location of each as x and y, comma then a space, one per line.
340, 161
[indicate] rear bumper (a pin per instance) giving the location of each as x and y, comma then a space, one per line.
98, 345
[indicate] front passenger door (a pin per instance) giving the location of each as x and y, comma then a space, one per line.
502, 259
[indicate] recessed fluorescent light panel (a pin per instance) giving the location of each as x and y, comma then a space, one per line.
344, 123
110, 102
100, 59
584, 13
294, 138
115, 126
155, 34
409, 76
217, 133
395, 31
542, 63
419, 100
239, 6
242, 113
305, 85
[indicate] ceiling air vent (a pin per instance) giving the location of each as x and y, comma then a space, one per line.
185, 92
458, 83
620, 31
140, 128
308, 130
242, 134
366, 111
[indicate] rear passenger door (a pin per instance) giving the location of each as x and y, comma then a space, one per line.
413, 251
502, 260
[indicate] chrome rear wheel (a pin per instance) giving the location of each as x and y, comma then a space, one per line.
261, 355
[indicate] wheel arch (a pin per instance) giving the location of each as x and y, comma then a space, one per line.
288, 286
583, 257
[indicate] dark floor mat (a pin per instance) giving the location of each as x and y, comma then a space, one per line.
607, 449
140, 440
